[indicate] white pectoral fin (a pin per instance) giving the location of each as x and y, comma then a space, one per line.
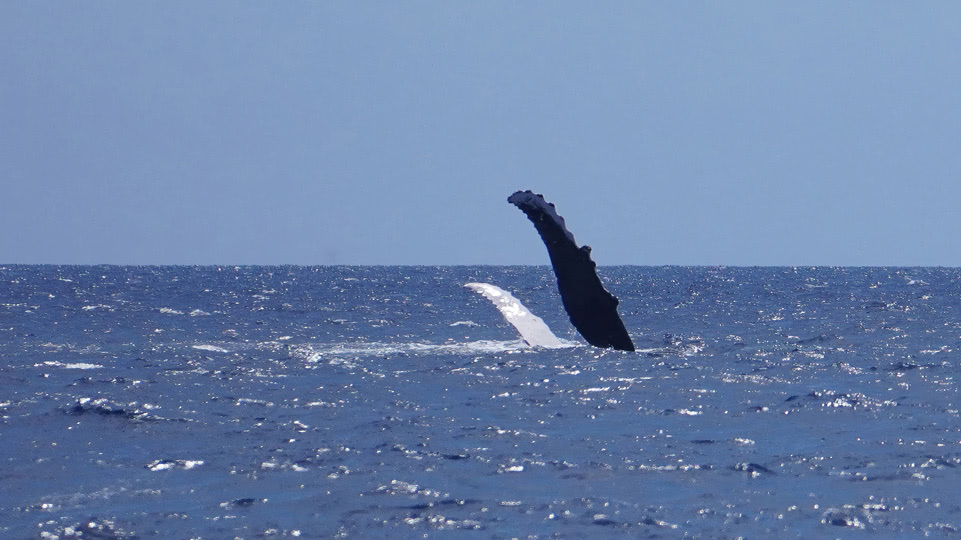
531, 327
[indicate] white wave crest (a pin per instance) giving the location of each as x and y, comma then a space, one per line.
317, 352
211, 348
69, 365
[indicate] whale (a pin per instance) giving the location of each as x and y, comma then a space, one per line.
532, 329
591, 308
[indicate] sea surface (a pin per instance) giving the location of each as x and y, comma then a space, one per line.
392, 402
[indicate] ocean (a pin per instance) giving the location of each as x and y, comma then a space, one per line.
393, 402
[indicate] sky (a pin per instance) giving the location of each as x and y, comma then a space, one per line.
666, 133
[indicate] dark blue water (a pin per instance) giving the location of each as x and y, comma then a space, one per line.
391, 402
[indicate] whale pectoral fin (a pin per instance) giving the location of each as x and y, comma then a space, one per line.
591, 308
532, 328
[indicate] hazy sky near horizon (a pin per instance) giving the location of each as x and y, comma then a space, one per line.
690, 133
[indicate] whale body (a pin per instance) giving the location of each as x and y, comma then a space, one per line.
591, 308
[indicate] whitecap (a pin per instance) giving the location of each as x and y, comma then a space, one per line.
71, 365
167, 464
211, 348
316, 352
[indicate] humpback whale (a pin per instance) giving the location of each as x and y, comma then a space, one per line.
591, 308
532, 328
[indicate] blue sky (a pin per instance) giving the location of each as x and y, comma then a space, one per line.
691, 133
